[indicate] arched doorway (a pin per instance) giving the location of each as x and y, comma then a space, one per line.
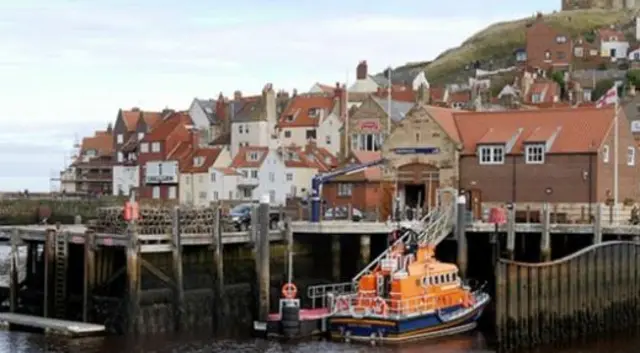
418, 185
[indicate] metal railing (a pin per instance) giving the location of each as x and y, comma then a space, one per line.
326, 291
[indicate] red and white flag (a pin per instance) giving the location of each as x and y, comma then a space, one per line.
610, 97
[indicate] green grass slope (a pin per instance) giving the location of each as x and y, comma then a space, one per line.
498, 41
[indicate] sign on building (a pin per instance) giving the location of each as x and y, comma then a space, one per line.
418, 150
161, 172
635, 126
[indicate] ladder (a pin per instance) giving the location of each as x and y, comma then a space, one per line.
60, 280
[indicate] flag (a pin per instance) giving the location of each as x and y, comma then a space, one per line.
610, 97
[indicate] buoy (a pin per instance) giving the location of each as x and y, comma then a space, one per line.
289, 291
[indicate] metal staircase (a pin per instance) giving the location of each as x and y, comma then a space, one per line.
60, 280
434, 227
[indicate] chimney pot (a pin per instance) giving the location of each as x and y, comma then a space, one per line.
361, 70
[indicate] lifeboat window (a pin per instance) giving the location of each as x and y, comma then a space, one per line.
435, 280
442, 279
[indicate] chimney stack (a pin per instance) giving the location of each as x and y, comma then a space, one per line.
361, 70
237, 95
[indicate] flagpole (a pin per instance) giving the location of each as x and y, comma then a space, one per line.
388, 104
346, 116
615, 153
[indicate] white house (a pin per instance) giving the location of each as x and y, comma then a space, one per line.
419, 80
613, 44
365, 83
255, 123
300, 120
319, 88
302, 164
204, 178
634, 55
329, 133
262, 172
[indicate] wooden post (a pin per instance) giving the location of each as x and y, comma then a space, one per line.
178, 295
597, 226
264, 279
365, 250
133, 278
219, 268
545, 239
89, 274
511, 231
49, 266
335, 252
461, 236
31, 258
14, 286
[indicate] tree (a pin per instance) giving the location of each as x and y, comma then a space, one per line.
633, 77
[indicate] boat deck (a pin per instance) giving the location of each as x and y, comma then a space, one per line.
62, 327
305, 314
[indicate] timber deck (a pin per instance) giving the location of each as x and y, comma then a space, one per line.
54, 326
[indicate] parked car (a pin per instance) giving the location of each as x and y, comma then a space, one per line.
342, 212
241, 217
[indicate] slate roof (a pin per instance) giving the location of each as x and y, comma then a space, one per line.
398, 109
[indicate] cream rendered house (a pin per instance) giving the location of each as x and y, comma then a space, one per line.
205, 178
262, 172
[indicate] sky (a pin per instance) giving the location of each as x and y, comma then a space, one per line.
66, 67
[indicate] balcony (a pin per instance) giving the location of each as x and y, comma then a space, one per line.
94, 177
248, 181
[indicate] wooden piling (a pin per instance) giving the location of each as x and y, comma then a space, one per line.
14, 286
219, 268
263, 278
511, 231
461, 236
133, 278
335, 255
597, 225
545, 239
49, 267
365, 250
178, 288
89, 275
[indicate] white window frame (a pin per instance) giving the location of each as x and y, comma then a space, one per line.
605, 154
140, 136
289, 176
173, 193
631, 156
215, 196
120, 157
213, 177
120, 138
272, 177
246, 129
490, 152
155, 147
155, 192
328, 139
144, 147
534, 154
254, 173
345, 189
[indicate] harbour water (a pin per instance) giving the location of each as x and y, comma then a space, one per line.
18, 342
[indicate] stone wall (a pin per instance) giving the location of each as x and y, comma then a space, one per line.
31, 211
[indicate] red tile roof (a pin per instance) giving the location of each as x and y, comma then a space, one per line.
311, 156
445, 118
151, 118
130, 118
162, 129
101, 142
436, 94
578, 130
208, 155
228, 171
398, 93
241, 161
299, 108
498, 135
605, 33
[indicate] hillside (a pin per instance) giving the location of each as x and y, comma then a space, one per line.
497, 42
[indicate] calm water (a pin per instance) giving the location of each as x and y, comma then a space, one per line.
16, 342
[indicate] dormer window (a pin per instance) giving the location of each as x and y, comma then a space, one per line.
289, 118
535, 98
534, 154
198, 161
491, 154
252, 156
314, 112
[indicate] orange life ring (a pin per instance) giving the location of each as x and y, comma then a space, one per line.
380, 307
342, 303
289, 291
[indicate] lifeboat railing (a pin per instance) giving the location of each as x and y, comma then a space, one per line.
325, 292
442, 227
357, 306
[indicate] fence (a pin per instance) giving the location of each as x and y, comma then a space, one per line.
589, 292
566, 213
